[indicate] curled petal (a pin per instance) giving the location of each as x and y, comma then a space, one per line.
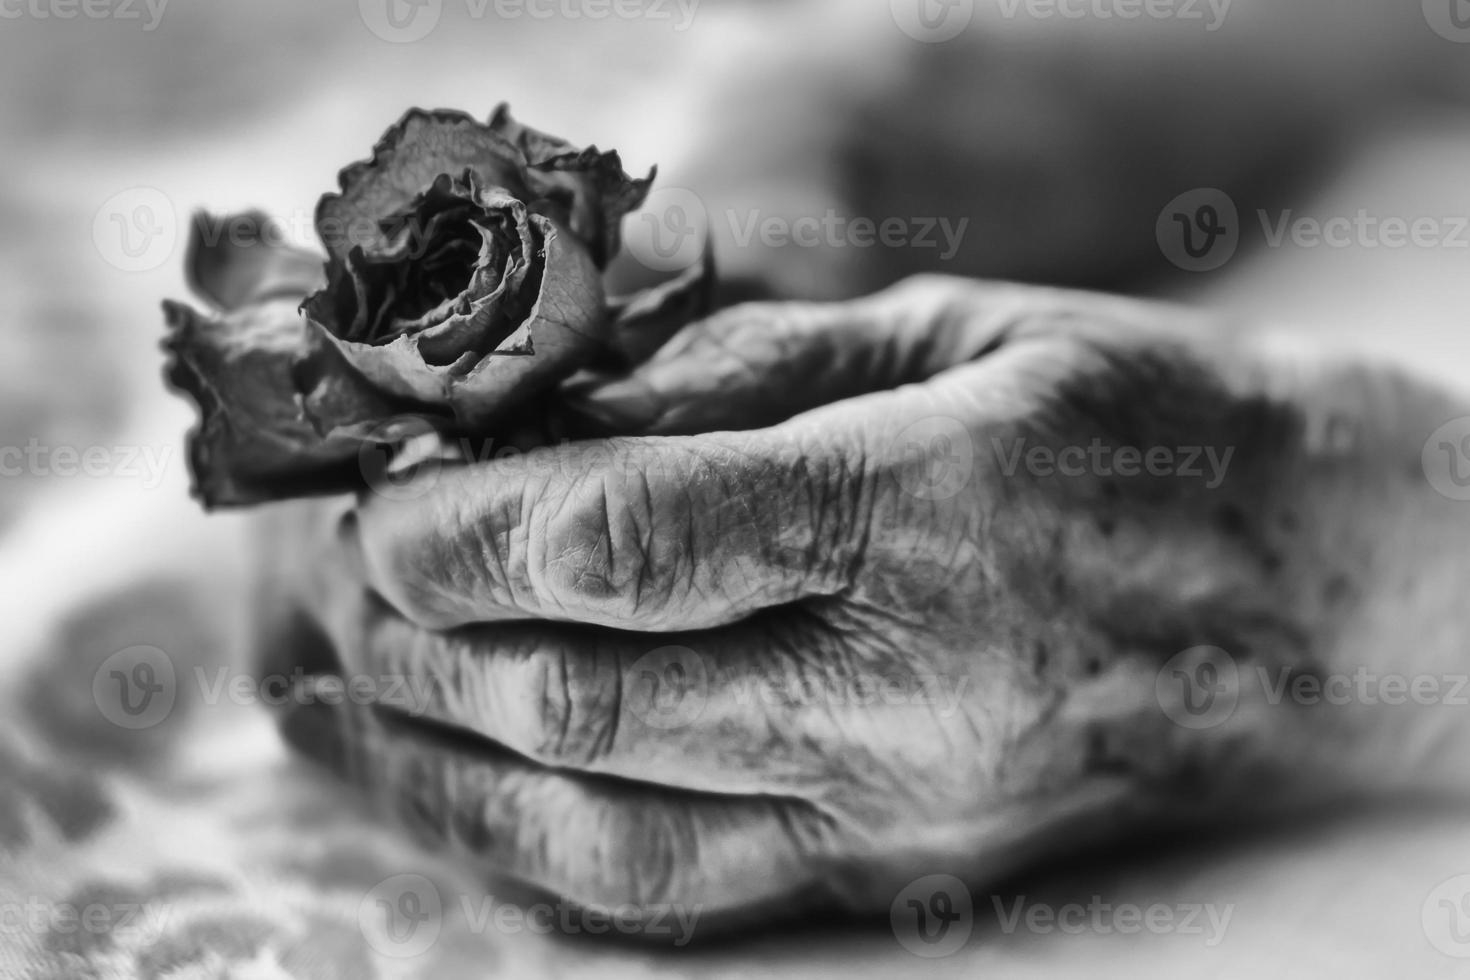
238, 259
590, 191
252, 372
587, 191
560, 330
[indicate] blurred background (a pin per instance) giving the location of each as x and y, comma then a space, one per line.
1297, 163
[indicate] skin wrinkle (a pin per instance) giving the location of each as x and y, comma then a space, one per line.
645, 542
485, 550
690, 550
469, 681
556, 702
868, 774
852, 471
1019, 566
600, 564
610, 545
732, 480
681, 854
538, 563
689, 518
585, 685
571, 518
619, 705
531, 541
824, 517
742, 493
852, 775
519, 590
617, 844
696, 592
584, 688
819, 510
601, 715
696, 588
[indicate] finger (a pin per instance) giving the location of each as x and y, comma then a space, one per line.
774, 705
593, 842
307, 576
645, 534
643, 323
759, 364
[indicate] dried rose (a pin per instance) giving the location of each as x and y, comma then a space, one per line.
463, 277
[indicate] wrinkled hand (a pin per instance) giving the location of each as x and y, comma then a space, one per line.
909, 585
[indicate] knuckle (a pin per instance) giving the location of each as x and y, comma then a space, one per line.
440, 558
477, 562
648, 852
718, 331
746, 337
932, 298
841, 508
574, 710
597, 547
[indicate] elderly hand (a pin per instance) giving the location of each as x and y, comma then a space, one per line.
926, 582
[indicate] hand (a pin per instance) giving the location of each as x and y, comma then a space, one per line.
887, 588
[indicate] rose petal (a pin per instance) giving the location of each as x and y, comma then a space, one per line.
591, 188
416, 150
501, 290
251, 372
241, 258
563, 328
566, 327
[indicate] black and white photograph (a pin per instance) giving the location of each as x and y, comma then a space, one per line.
659, 489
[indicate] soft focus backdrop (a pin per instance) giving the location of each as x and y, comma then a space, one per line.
1060, 140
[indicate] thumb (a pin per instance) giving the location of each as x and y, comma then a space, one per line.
759, 364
